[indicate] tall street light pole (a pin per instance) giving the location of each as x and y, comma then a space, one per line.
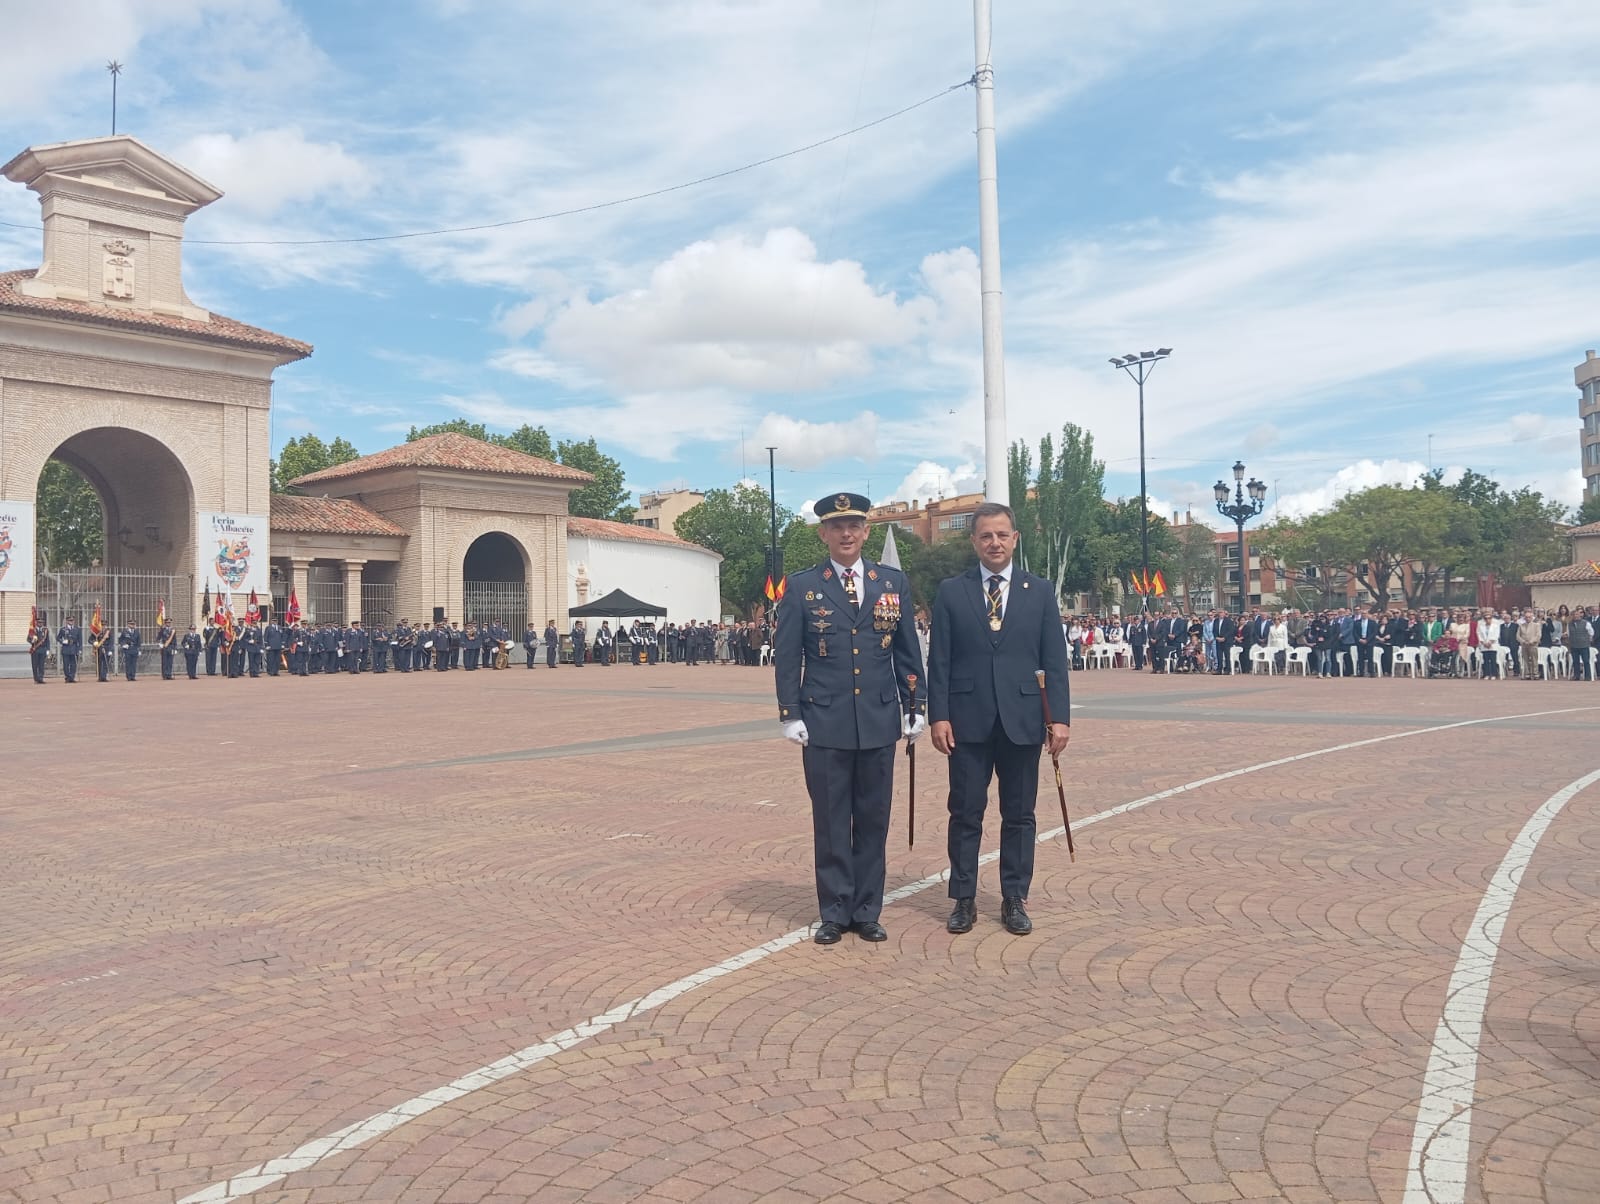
1240, 510
1139, 367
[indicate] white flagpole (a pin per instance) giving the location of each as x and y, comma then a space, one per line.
997, 485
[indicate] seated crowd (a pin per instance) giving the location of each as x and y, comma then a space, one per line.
1529, 644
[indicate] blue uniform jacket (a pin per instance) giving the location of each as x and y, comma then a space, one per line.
847, 673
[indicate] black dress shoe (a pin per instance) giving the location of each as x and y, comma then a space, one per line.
1015, 917
828, 933
964, 916
870, 930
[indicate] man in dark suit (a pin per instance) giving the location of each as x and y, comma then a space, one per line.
272, 644
1138, 641
1365, 630
848, 667
993, 628
1227, 632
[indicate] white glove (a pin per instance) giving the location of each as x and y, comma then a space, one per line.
795, 732
913, 726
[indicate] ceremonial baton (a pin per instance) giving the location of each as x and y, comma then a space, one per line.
1055, 759
911, 762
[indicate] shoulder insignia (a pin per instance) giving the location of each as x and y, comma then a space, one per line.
872, 574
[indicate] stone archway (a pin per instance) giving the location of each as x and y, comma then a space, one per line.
147, 505
494, 582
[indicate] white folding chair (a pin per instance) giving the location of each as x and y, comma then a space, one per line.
1301, 657
1409, 659
1549, 661
1497, 656
1379, 654
1234, 654
766, 654
1262, 655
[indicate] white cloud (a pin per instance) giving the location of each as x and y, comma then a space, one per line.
930, 480
263, 171
803, 444
1352, 479
738, 314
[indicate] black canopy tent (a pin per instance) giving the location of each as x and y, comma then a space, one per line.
617, 605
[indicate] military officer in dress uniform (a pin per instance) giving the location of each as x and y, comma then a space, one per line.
252, 648
190, 646
130, 641
380, 648
167, 642
530, 643
580, 641
847, 659
105, 655
602, 642
272, 641
69, 642
552, 643
39, 647
213, 642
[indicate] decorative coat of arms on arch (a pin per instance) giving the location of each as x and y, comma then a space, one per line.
117, 276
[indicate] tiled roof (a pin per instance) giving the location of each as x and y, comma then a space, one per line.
600, 528
328, 516
1586, 529
218, 330
1567, 573
461, 453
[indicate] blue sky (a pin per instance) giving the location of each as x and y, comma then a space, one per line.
1357, 225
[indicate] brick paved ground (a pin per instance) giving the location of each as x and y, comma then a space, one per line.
239, 916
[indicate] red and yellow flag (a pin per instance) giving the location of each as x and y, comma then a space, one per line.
33, 624
161, 612
783, 584
97, 625
1159, 584
771, 592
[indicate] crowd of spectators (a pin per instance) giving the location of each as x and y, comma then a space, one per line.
1527, 644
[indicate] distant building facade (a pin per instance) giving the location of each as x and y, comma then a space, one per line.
1587, 377
661, 510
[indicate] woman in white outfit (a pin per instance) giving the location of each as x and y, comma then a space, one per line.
1278, 642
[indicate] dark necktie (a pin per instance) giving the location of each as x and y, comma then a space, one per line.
994, 602
849, 578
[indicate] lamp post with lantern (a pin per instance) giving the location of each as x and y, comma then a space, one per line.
1138, 367
1241, 510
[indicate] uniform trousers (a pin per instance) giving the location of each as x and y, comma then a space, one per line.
850, 790
973, 764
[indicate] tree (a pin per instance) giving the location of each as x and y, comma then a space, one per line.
308, 454
1310, 542
456, 426
1589, 512
529, 440
1115, 550
735, 523
1066, 510
72, 524
604, 497
1194, 560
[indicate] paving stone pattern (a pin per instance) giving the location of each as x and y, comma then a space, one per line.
238, 916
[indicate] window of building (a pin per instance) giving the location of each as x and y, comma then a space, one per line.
960, 522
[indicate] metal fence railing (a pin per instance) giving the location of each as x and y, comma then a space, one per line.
377, 604
507, 601
326, 602
123, 597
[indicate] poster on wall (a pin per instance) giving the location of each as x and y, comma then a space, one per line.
17, 547
232, 552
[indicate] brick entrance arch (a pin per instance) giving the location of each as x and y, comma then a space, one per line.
106, 362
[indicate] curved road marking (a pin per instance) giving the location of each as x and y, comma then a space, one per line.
1437, 1170
353, 1136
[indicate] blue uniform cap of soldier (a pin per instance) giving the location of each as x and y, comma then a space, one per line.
841, 505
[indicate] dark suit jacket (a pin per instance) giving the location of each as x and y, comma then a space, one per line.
976, 675
846, 672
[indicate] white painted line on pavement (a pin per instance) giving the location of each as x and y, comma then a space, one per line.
1437, 1170
358, 1134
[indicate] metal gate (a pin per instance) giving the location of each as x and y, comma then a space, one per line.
124, 597
326, 602
503, 600
377, 604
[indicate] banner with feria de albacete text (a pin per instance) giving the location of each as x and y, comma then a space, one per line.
17, 547
232, 554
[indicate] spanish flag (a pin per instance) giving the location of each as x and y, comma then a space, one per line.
783, 584
97, 625
771, 592
161, 612
1159, 584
